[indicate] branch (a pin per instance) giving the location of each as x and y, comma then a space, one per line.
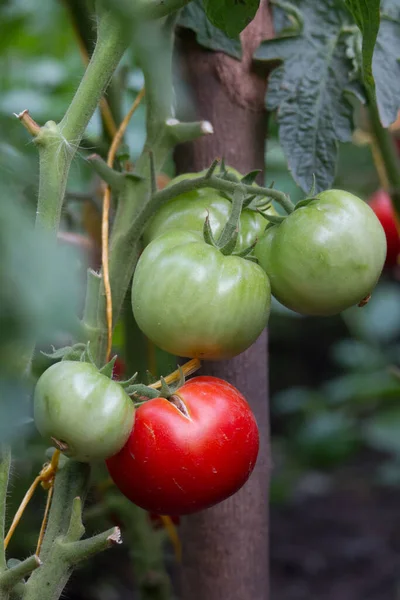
18, 572
5, 464
204, 181
153, 44
75, 552
61, 548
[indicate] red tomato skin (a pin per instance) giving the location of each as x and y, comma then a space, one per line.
175, 465
382, 206
118, 369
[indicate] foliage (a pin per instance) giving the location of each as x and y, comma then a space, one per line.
319, 47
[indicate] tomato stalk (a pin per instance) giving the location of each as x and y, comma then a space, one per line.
62, 547
153, 44
5, 465
387, 149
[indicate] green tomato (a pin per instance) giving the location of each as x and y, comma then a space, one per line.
193, 301
189, 211
83, 409
326, 256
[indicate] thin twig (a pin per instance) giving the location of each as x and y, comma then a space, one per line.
105, 219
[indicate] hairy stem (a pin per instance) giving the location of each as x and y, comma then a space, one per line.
387, 148
5, 465
153, 43
62, 548
111, 45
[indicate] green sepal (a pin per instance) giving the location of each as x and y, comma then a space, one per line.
274, 219
244, 253
225, 174
211, 168
311, 193
250, 178
230, 245
253, 259
208, 234
139, 390
166, 390
127, 382
247, 201
108, 368
304, 202
231, 229
66, 353
262, 206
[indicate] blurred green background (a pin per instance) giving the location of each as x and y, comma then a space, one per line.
335, 411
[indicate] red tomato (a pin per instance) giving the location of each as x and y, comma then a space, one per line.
119, 368
382, 206
189, 452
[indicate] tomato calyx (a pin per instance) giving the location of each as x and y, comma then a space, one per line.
226, 242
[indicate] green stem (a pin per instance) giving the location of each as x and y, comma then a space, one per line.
111, 45
223, 185
153, 44
387, 148
5, 465
82, 19
89, 321
62, 548
13, 575
55, 156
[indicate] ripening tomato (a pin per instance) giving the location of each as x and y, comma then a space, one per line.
189, 452
382, 206
325, 256
84, 410
189, 211
191, 300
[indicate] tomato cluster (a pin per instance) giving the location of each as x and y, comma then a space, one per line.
196, 297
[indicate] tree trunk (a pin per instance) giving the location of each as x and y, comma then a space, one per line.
225, 548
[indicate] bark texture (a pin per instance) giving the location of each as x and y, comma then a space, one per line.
225, 549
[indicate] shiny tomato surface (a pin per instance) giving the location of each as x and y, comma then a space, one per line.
190, 452
382, 206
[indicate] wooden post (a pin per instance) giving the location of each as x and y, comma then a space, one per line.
225, 548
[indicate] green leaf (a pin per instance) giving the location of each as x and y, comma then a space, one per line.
386, 66
193, 17
309, 89
367, 16
231, 16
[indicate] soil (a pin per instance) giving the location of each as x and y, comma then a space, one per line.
342, 546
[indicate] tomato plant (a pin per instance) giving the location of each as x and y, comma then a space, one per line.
189, 211
326, 256
83, 410
189, 452
382, 206
192, 300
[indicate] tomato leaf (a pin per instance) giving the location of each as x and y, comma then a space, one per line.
232, 16
366, 15
309, 88
386, 65
194, 17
